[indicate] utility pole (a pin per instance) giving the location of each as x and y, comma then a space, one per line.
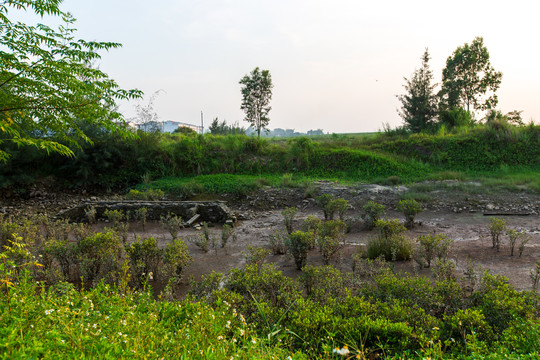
202, 124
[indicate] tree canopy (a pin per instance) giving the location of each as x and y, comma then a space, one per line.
256, 96
469, 80
48, 83
419, 103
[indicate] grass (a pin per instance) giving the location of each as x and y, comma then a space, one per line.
63, 323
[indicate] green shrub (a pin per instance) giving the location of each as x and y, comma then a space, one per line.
410, 209
373, 212
114, 216
145, 259
496, 228
432, 246
323, 283
99, 257
140, 214
176, 258
298, 244
277, 243
513, 237
390, 242
330, 238
288, 218
63, 252
256, 256
323, 201
172, 223
147, 194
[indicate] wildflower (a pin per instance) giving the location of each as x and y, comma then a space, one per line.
435, 328
151, 275
253, 341
220, 337
242, 332
119, 334
49, 312
228, 324
343, 352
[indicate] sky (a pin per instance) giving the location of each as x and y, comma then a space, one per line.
335, 65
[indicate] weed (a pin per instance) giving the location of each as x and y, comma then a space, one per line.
513, 237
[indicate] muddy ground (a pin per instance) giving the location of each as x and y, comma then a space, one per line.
452, 209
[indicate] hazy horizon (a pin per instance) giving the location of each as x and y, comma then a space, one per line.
336, 67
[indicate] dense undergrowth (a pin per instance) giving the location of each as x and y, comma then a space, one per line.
484, 151
92, 298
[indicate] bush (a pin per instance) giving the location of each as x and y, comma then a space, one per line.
277, 243
322, 201
288, 218
432, 246
410, 209
298, 244
145, 259
172, 223
496, 228
513, 237
390, 242
373, 212
99, 257
330, 236
147, 194
175, 258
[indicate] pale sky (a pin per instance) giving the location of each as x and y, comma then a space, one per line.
336, 65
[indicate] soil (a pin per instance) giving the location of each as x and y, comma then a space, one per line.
456, 214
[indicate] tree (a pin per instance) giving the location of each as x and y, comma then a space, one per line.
419, 104
469, 80
256, 96
47, 83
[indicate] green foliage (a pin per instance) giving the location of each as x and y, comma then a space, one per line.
256, 256
431, 247
330, 238
288, 218
496, 227
226, 232
277, 243
390, 242
99, 257
410, 208
147, 194
172, 223
114, 216
46, 82
336, 205
256, 96
468, 76
175, 259
513, 237
145, 259
298, 244
323, 201
419, 104
373, 212
140, 214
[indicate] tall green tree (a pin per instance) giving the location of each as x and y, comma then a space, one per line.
256, 96
469, 80
419, 103
47, 83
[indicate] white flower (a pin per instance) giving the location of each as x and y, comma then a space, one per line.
344, 351
253, 341
49, 312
